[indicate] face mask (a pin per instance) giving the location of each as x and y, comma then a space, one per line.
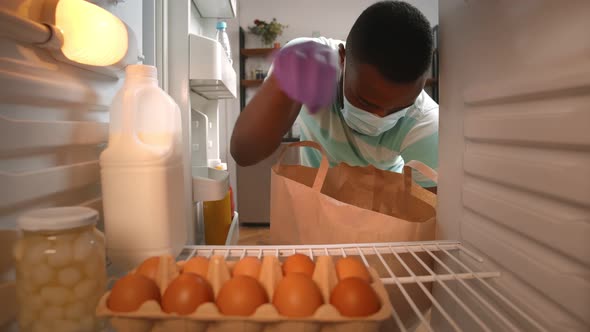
364, 122
367, 123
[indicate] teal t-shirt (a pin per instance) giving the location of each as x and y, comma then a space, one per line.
414, 137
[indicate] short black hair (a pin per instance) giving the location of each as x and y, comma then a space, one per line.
393, 36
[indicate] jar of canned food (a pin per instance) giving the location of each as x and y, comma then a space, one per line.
60, 270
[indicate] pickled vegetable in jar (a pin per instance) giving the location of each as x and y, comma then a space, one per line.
61, 270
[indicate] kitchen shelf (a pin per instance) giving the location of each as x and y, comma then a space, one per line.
473, 303
216, 9
211, 74
257, 52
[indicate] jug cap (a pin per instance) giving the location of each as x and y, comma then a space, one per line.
141, 71
57, 218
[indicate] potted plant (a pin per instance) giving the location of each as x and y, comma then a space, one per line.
267, 31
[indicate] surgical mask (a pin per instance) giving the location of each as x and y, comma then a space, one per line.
365, 122
368, 123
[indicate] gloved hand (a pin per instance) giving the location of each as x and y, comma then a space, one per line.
308, 73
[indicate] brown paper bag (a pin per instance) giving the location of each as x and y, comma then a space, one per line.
347, 204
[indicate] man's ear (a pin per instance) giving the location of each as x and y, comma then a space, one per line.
342, 53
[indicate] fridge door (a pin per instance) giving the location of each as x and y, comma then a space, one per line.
515, 150
53, 126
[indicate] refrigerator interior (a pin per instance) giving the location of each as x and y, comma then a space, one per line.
514, 149
462, 276
514, 191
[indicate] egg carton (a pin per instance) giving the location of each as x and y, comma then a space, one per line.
150, 317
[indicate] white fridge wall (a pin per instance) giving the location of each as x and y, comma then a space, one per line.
176, 24
205, 147
515, 148
53, 123
53, 126
227, 109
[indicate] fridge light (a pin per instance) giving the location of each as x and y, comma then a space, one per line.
91, 35
88, 36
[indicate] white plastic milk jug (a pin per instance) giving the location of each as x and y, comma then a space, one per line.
142, 173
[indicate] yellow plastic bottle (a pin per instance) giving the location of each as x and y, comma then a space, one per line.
217, 215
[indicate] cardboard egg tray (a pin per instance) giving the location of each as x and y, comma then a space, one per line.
150, 318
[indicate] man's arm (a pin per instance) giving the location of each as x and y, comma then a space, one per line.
262, 124
305, 72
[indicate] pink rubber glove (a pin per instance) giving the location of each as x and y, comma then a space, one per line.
308, 73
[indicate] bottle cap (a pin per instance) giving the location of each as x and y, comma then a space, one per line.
141, 71
221, 25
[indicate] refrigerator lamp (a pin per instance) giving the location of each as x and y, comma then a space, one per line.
88, 35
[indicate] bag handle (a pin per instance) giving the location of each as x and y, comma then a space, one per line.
420, 167
320, 177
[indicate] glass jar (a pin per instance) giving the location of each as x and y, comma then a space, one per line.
61, 270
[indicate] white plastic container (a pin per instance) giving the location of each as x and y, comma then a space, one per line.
142, 173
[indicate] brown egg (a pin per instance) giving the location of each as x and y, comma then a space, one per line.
241, 296
298, 263
149, 268
197, 265
131, 291
351, 267
354, 297
297, 295
248, 266
186, 293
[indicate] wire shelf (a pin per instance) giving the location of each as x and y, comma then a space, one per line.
405, 265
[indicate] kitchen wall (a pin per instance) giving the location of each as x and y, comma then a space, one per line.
330, 18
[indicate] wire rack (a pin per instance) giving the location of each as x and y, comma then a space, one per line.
468, 300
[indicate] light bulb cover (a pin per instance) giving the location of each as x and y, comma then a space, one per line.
91, 37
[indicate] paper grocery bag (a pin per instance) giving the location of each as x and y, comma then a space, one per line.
349, 204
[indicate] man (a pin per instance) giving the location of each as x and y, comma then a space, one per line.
378, 114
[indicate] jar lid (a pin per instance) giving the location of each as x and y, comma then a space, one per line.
57, 218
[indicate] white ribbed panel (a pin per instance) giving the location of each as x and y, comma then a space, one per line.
49, 134
515, 149
53, 126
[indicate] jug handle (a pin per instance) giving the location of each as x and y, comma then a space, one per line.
129, 116
127, 127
